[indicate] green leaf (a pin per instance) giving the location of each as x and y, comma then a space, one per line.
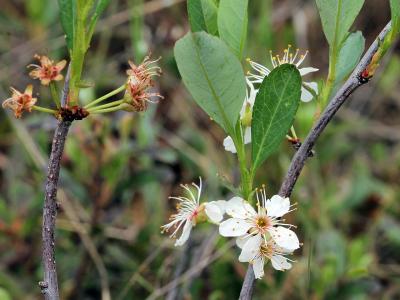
203, 16
210, 10
395, 8
100, 7
213, 75
337, 16
67, 18
274, 109
349, 55
232, 24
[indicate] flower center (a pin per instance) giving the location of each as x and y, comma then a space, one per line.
266, 250
198, 215
263, 223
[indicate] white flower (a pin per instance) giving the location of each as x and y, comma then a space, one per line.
215, 210
245, 116
257, 252
263, 223
190, 211
288, 58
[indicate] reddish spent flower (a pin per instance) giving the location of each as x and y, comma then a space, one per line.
20, 102
139, 81
47, 71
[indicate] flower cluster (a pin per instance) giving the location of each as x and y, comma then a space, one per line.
139, 81
136, 95
261, 234
47, 72
253, 79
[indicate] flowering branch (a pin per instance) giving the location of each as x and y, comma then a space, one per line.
357, 79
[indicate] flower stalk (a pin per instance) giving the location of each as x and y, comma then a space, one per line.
107, 105
54, 94
106, 96
44, 109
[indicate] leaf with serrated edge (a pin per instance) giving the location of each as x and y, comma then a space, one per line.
274, 109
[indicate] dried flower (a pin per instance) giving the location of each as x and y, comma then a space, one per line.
20, 102
47, 71
139, 81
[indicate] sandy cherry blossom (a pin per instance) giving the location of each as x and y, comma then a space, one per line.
264, 223
257, 252
288, 57
190, 211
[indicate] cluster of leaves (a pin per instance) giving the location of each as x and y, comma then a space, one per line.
208, 59
346, 48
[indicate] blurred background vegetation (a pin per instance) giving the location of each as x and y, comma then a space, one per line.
119, 169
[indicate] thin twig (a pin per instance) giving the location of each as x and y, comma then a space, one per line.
49, 285
302, 154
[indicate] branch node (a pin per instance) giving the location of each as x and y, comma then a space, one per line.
43, 286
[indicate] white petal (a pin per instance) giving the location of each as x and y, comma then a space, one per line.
306, 96
280, 263
185, 234
233, 227
305, 71
277, 206
252, 94
214, 211
258, 267
229, 145
239, 208
285, 238
312, 85
247, 135
251, 248
221, 204
241, 240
